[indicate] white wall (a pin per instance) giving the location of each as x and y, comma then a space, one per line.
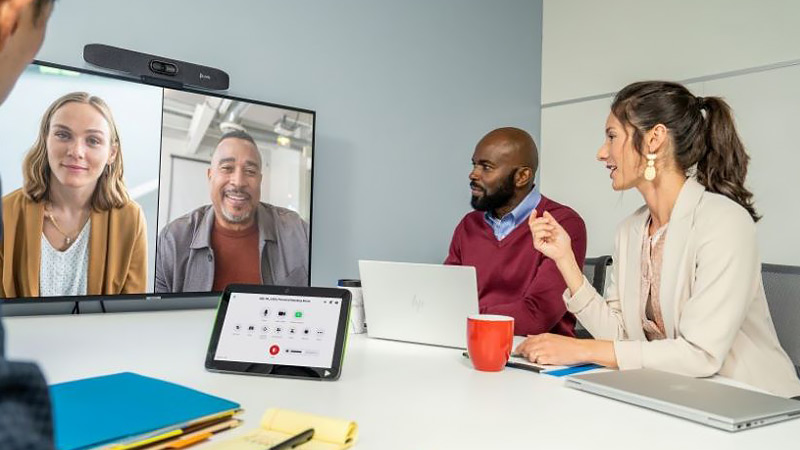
593, 47
734, 49
403, 91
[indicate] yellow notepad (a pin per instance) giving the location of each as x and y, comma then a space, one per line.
278, 425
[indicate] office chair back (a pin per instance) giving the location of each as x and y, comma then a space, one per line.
595, 271
782, 286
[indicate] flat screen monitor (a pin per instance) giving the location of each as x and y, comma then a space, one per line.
117, 189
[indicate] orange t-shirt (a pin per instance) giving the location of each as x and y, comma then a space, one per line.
236, 256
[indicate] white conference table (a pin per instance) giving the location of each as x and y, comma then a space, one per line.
403, 396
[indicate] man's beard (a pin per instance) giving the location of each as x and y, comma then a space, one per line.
233, 216
236, 218
496, 200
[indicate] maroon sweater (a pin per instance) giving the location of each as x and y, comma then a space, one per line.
514, 279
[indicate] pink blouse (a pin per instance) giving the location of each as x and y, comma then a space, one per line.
652, 253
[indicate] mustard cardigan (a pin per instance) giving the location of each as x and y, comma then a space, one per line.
117, 249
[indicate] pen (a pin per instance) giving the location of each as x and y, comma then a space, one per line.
523, 366
294, 441
516, 365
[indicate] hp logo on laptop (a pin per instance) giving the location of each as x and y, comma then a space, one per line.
417, 303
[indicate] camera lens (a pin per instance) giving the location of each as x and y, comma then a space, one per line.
157, 66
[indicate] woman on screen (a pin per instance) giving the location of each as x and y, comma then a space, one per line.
72, 229
686, 294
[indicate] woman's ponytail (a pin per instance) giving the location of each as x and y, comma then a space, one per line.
723, 166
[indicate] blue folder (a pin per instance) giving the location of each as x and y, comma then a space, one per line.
102, 410
572, 370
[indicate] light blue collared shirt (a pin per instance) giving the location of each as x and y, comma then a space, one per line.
503, 227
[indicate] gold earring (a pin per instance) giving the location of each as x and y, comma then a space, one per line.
650, 170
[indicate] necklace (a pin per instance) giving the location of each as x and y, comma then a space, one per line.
68, 240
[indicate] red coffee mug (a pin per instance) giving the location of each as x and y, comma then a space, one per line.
489, 341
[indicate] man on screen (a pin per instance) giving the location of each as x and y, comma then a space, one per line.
514, 279
236, 239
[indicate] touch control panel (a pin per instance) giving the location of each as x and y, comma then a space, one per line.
278, 329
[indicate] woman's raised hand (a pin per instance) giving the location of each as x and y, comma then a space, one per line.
549, 237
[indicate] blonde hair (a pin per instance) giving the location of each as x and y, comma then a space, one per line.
110, 191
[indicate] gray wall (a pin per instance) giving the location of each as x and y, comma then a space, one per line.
403, 90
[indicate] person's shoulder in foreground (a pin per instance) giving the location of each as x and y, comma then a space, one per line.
25, 415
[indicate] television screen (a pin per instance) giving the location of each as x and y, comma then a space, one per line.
113, 187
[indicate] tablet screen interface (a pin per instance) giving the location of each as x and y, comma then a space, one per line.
274, 329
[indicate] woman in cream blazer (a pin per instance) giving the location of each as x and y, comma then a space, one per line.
694, 304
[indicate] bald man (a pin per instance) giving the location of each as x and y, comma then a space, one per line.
513, 278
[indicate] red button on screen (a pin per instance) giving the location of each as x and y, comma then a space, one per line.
274, 350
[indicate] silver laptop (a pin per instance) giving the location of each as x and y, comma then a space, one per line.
703, 401
425, 303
